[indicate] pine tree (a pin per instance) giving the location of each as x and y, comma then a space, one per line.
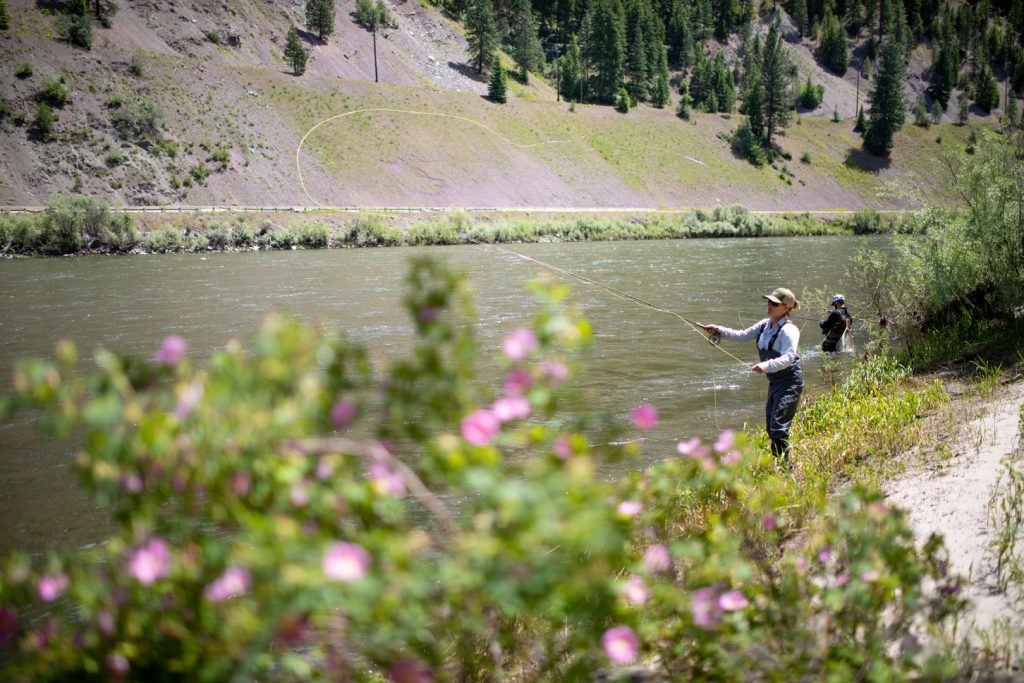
986, 94
868, 70
965, 110
941, 82
622, 100
888, 104
753, 103
5, 18
497, 89
832, 45
320, 17
800, 17
860, 126
606, 48
481, 33
1012, 113
723, 85
679, 35
526, 49
636, 64
294, 52
776, 69
685, 102
661, 95
701, 80
569, 72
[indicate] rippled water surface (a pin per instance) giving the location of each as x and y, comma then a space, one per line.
640, 355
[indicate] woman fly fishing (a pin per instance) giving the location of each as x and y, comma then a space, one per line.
777, 340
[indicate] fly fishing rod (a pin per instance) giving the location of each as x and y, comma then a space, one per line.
713, 338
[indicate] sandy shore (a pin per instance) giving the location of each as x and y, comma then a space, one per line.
952, 497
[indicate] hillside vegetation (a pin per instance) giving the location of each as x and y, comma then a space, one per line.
194, 104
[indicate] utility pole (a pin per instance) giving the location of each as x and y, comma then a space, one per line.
375, 53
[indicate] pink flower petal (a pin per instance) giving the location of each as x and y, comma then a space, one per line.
172, 350
52, 586
688, 448
657, 559
346, 562
563, 448
731, 601
554, 372
151, 562
620, 644
645, 417
520, 344
636, 591
480, 427
342, 414
234, 581
725, 441
704, 607
629, 508
517, 382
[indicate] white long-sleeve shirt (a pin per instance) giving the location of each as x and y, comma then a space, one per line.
786, 343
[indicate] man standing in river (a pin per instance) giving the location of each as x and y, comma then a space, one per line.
777, 341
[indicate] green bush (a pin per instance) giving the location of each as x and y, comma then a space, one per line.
43, 122
75, 29
313, 236
747, 146
18, 234
54, 93
23, 71
286, 513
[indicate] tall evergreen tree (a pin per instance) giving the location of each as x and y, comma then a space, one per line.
294, 52
636, 64
723, 85
776, 70
753, 103
702, 80
800, 17
569, 73
320, 17
497, 88
481, 33
888, 103
661, 94
942, 79
832, 45
565, 20
986, 92
679, 35
525, 45
606, 46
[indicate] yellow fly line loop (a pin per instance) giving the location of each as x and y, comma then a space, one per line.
298, 163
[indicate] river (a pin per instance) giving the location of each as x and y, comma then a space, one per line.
129, 304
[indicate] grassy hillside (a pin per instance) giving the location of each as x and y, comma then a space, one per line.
195, 105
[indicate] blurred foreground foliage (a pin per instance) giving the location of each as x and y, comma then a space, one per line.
290, 512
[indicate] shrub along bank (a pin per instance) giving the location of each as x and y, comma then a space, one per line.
79, 225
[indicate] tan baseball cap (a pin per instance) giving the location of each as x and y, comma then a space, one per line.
781, 295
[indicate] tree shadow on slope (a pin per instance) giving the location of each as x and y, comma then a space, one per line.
857, 157
466, 70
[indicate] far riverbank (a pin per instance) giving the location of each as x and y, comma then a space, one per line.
85, 225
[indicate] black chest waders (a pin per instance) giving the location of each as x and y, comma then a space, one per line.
784, 389
836, 332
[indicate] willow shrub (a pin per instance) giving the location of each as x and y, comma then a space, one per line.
287, 511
